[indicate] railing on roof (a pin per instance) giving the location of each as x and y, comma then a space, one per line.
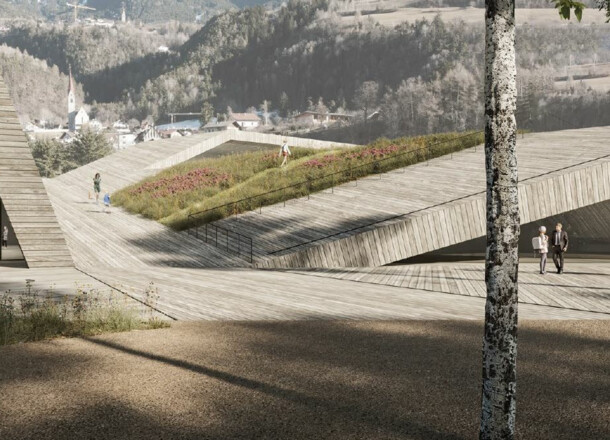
249, 203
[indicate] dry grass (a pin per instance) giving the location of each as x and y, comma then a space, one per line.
32, 315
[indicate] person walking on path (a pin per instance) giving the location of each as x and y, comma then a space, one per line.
97, 187
5, 237
544, 248
559, 241
107, 202
285, 152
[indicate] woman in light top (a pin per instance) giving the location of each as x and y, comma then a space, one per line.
544, 248
97, 186
285, 151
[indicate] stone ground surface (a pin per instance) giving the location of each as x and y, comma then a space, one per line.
301, 380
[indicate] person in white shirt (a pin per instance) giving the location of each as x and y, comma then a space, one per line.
544, 249
285, 152
5, 237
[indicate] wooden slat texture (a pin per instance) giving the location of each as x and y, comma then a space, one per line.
441, 203
123, 240
25, 198
584, 287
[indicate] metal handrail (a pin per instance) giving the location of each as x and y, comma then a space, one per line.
249, 241
326, 176
241, 239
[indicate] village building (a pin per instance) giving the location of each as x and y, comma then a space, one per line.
120, 141
76, 119
245, 121
310, 117
212, 127
121, 126
170, 134
147, 134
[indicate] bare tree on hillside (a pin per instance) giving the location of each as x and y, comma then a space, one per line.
366, 98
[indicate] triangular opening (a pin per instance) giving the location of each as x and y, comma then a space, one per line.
10, 250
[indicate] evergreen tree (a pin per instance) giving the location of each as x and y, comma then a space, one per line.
88, 146
49, 156
207, 112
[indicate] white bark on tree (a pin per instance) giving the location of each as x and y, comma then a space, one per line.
502, 259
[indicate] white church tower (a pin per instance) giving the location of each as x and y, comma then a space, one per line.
71, 96
76, 119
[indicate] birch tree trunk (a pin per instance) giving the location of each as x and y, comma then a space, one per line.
502, 259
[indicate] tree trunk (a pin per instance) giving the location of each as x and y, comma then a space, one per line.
502, 260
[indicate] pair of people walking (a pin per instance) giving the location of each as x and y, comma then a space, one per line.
557, 243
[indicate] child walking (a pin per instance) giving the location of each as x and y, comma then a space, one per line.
107, 202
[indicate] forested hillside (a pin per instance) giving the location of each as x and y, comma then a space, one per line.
39, 91
301, 55
426, 75
147, 11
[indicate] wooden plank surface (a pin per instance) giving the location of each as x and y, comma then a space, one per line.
24, 196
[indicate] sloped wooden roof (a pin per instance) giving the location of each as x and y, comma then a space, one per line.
24, 195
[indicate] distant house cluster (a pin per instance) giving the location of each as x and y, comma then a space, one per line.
122, 135
253, 121
236, 121
314, 118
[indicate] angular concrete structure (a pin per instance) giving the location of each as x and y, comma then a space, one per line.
24, 196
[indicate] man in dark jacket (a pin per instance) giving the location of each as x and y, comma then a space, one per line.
559, 244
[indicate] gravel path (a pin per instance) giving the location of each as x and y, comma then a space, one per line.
301, 380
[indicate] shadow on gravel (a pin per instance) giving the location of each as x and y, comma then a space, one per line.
321, 379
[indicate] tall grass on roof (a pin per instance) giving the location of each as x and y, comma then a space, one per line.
254, 179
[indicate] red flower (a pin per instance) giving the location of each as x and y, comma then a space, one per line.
168, 186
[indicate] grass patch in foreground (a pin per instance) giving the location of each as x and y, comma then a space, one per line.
29, 316
172, 195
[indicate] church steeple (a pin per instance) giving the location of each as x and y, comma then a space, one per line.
71, 95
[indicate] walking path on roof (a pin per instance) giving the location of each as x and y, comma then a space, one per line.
127, 241
128, 251
440, 202
123, 240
